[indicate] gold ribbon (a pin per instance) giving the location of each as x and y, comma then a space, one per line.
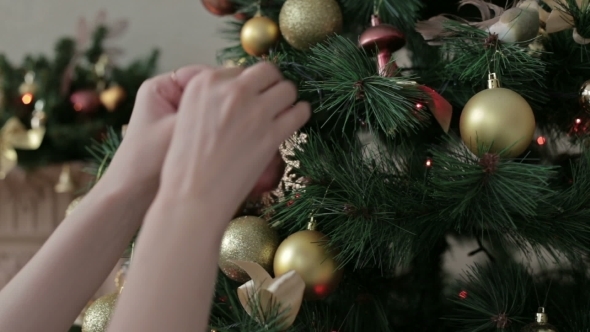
262, 296
14, 135
559, 19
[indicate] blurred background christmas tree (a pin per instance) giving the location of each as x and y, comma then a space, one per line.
52, 107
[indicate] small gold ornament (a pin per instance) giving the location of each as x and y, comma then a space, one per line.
249, 239
28, 86
537, 46
497, 119
585, 96
112, 97
305, 253
73, 205
541, 323
305, 23
259, 35
66, 183
98, 314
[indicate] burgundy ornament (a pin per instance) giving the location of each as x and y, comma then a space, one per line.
219, 7
86, 101
271, 177
240, 16
383, 39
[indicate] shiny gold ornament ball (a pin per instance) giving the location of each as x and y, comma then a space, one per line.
305, 23
585, 96
259, 35
249, 239
73, 205
541, 323
497, 118
305, 253
112, 97
98, 314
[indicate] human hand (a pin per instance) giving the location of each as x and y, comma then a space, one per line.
230, 124
139, 159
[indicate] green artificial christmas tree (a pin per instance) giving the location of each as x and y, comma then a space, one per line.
481, 134
52, 107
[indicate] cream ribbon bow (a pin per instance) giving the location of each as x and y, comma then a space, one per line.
264, 296
559, 19
14, 135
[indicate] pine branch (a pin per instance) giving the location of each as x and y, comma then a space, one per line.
269, 8
488, 193
353, 92
368, 210
492, 297
563, 292
474, 53
569, 66
580, 15
103, 152
401, 13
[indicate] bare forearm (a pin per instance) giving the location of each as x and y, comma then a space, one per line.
57, 283
171, 281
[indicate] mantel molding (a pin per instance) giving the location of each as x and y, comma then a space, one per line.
30, 210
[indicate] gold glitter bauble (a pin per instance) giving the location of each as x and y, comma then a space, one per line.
259, 35
73, 205
305, 253
497, 119
98, 314
249, 239
585, 96
305, 23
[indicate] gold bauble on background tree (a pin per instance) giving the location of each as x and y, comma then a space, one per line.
585, 96
258, 35
112, 97
305, 253
541, 323
98, 314
305, 23
497, 119
73, 205
249, 239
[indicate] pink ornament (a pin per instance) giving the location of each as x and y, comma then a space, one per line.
86, 101
385, 40
271, 177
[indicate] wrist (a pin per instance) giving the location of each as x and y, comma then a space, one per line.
121, 193
187, 211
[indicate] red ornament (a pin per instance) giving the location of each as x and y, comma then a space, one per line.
271, 177
463, 294
219, 7
383, 39
87, 101
242, 16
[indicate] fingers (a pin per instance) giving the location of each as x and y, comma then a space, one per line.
169, 87
261, 76
291, 120
280, 97
209, 78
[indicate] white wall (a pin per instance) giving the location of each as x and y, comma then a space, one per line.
182, 29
